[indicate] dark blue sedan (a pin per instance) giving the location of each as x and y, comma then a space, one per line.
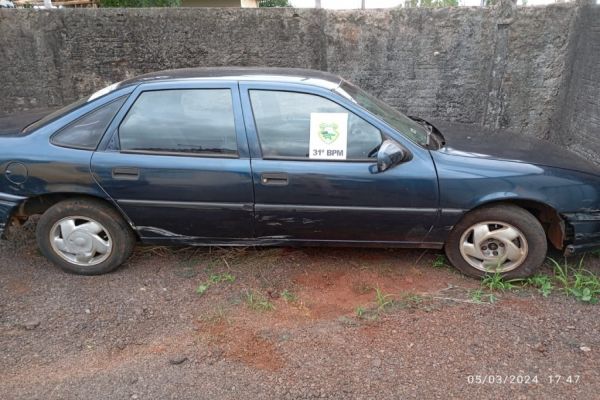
248, 156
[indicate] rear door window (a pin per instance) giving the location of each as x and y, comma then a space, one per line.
182, 121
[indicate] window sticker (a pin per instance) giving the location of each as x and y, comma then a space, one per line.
328, 136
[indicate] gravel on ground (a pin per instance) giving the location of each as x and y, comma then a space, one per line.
284, 323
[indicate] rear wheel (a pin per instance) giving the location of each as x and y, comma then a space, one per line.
86, 237
502, 239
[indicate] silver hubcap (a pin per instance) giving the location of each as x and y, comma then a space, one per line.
493, 246
81, 241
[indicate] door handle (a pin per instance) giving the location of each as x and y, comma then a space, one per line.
126, 174
274, 178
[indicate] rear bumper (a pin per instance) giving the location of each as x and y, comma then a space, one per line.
585, 234
8, 204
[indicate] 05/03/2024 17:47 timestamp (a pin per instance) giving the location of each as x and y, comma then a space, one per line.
494, 379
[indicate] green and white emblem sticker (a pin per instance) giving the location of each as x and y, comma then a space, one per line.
328, 136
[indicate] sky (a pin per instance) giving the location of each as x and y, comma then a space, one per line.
389, 3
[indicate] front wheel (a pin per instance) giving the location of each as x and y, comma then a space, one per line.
86, 237
502, 239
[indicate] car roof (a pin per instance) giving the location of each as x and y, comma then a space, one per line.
265, 74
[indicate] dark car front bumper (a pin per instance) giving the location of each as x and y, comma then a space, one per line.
585, 231
8, 204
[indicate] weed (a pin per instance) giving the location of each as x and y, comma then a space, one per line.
476, 295
288, 296
577, 281
543, 283
497, 282
382, 299
367, 313
414, 298
212, 280
258, 302
202, 288
440, 261
561, 274
360, 311
585, 286
479, 296
218, 278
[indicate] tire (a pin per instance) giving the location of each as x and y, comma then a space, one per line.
72, 230
525, 254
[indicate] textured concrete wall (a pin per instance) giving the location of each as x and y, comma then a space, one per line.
498, 67
579, 111
527, 69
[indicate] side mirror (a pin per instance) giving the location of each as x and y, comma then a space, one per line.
391, 154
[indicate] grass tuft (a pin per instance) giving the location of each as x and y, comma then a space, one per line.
288, 296
543, 283
576, 281
481, 297
440, 261
383, 300
572, 280
257, 301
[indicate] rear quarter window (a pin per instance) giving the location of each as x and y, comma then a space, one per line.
86, 132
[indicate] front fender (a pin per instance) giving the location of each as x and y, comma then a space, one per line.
470, 182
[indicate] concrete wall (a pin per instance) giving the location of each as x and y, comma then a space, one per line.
579, 111
219, 3
533, 70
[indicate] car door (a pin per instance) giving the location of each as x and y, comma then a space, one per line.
306, 196
175, 159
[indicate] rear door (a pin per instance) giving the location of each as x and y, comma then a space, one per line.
176, 161
305, 193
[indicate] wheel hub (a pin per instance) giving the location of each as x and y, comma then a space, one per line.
81, 241
493, 246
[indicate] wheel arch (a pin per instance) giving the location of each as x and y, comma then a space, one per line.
41, 203
551, 220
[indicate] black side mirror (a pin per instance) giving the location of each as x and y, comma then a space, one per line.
391, 154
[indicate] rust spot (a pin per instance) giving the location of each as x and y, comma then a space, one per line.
555, 227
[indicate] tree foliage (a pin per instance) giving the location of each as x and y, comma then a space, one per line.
431, 3
274, 3
140, 3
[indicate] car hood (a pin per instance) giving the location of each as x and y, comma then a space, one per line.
15, 123
475, 141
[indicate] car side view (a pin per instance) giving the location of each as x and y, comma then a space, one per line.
261, 156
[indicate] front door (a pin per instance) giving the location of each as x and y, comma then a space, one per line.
314, 176
177, 163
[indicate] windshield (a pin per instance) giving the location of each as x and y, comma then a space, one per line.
67, 109
414, 131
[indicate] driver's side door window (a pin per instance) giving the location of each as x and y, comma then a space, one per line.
283, 122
